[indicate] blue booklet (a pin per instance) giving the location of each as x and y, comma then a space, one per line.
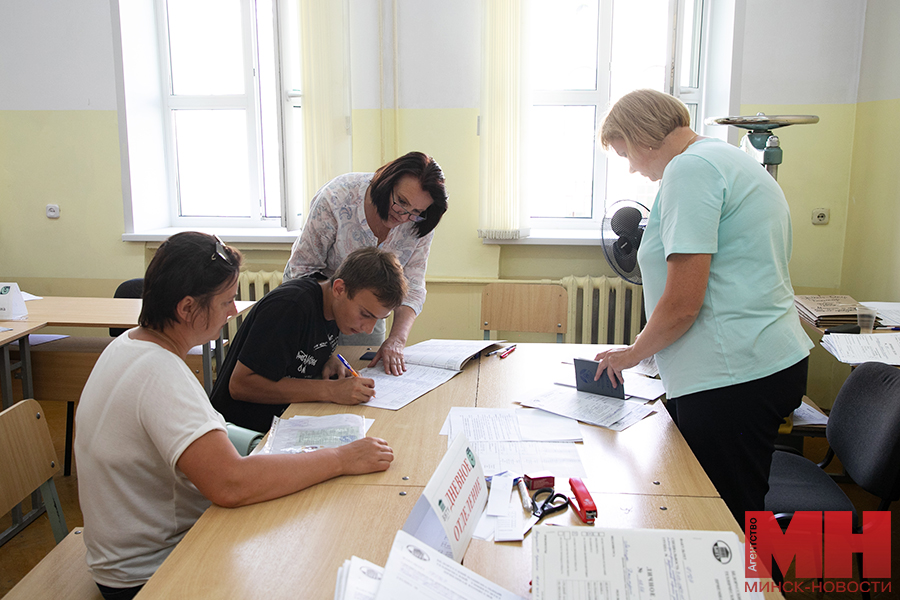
584, 380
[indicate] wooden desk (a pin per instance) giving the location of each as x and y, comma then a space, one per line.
292, 547
650, 457
70, 311
19, 332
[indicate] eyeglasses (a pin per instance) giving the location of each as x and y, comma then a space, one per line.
405, 213
220, 251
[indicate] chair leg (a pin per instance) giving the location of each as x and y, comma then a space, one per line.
70, 429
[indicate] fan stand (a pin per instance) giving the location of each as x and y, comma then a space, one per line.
760, 142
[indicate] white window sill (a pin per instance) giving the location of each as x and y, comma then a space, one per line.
271, 235
555, 237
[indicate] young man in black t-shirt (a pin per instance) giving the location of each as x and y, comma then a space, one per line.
284, 349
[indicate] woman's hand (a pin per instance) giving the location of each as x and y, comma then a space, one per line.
366, 455
614, 361
391, 354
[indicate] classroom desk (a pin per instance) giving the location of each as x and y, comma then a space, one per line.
650, 457
63, 311
19, 332
292, 547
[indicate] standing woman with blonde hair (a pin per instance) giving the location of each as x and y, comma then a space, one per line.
720, 306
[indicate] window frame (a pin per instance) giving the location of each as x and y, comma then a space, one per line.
717, 55
145, 122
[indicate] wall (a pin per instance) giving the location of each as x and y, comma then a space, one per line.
832, 58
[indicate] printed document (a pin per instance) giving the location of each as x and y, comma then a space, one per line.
597, 562
611, 413
510, 425
415, 570
357, 579
857, 348
428, 364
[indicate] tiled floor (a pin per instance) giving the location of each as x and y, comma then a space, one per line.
24, 551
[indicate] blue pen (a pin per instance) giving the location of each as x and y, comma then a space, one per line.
346, 364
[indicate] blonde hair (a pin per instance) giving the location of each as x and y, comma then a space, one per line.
643, 118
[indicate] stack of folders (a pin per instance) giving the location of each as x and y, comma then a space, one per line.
827, 311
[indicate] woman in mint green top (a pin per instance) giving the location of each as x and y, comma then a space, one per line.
720, 307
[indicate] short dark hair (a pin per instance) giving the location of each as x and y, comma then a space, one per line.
429, 175
376, 270
186, 264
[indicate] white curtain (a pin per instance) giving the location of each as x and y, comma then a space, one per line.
325, 101
504, 106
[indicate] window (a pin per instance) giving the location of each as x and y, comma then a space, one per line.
221, 111
209, 114
583, 55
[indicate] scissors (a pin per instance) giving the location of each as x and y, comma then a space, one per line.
546, 501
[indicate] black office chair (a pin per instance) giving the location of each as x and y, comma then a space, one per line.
863, 431
133, 288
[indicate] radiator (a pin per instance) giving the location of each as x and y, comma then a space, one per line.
603, 310
253, 285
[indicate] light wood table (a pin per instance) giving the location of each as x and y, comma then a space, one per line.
413, 431
650, 457
292, 547
71, 311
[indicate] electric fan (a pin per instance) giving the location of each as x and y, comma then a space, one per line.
620, 235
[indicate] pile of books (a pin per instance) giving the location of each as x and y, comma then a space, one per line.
827, 311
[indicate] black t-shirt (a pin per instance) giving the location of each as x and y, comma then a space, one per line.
284, 335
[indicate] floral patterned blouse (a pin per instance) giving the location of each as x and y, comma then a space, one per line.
337, 226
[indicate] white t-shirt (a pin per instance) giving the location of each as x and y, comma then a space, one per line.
140, 408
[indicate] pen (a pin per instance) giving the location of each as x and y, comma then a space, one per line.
346, 364
508, 351
888, 328
523, 493
493, 352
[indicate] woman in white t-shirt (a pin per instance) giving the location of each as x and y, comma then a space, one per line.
152, 452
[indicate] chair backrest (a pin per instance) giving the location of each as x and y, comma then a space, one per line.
28, 461
133, 288
531, 307
864, 429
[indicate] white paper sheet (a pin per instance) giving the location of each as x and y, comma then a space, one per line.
589, 562
855, 349
510, 424
358, 579
807, 415
888, 312
589, 408
393, 392
414, 570
560, 458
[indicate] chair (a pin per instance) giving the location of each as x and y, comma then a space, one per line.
133, 288
28, 463
863, 431
527, 307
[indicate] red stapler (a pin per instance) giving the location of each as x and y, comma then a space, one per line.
582, 502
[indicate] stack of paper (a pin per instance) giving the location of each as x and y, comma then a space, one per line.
414, 570
888, 312
826, 311
855, 349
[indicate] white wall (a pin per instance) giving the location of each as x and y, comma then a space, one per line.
56, 55
803, 51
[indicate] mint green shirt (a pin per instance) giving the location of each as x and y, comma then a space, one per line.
715, 199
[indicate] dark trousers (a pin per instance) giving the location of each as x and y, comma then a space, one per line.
110, 593
732, 432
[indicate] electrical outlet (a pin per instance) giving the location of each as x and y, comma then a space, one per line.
820, 216
53, 211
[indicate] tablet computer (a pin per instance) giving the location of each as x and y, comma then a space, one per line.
584, 380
